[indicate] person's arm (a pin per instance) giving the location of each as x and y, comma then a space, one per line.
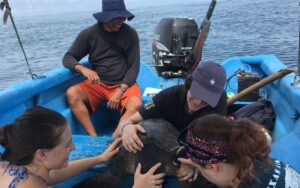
129, 129
133, 60
77, 51
77, 166
74, 168
132, 120
91, 75
133, 67
114, 101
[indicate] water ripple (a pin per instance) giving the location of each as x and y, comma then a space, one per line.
238, 28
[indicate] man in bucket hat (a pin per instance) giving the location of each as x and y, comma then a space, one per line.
114, 53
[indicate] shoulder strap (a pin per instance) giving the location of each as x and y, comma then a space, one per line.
18, 173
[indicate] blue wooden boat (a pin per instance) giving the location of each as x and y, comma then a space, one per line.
49, 91
171, 61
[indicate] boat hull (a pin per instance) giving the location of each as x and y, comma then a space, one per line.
50, 92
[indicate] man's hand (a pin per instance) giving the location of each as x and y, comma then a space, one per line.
91, 75
114, 101
148, 180
131, 141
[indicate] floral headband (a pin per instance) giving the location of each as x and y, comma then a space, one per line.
206, 151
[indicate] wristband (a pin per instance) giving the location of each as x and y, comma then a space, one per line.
125, 124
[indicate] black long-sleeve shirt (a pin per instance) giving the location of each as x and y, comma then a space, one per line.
114, 65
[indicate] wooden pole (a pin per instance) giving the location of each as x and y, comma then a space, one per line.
259, 84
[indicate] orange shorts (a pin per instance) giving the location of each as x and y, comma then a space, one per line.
96, 93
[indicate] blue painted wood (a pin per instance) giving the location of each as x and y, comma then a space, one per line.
286, 101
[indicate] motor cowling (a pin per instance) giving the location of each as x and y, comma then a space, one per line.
172, 46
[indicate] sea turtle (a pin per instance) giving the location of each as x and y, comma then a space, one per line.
160, 145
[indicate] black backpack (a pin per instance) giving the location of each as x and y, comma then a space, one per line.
261, 112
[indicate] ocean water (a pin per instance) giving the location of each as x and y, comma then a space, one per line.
239, 27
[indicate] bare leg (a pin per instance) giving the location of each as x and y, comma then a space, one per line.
133, 104
76, 98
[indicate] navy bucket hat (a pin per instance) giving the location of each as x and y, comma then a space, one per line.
112, 9
208, 82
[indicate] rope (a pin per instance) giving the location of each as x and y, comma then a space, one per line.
33, 76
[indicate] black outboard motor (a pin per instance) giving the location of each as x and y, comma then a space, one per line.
172, 46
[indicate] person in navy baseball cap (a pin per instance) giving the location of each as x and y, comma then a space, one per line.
201, 94
112, 9
208, 82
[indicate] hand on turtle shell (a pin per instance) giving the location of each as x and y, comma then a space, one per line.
131, 141
149, 179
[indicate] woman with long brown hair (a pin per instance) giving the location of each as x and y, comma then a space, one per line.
36, 153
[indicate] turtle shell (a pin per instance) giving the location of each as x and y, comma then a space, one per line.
160, 145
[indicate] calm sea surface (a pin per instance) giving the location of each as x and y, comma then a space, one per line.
239, 27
